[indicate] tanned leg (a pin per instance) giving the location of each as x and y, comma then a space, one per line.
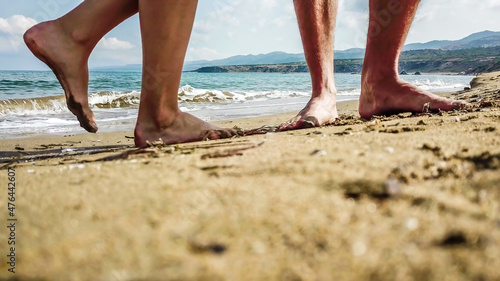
166, 28
316, 20
65, 45
382, 90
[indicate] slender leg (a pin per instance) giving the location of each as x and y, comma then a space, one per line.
382, 91
316, 20
166, 28
65, 45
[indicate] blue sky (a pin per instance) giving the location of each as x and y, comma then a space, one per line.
237, 27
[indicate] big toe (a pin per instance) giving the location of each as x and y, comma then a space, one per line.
447, 104
461, 105
219, 134
88, 123
84, 114
308, 122
300, 123
290, 124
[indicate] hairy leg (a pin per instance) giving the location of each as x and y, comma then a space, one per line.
65, 45
166, 28
382, 91
316, 20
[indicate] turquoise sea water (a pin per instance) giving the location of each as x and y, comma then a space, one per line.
32, 102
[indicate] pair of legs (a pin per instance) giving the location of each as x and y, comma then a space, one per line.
65, 45
382, 91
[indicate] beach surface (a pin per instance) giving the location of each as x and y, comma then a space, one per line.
403, 197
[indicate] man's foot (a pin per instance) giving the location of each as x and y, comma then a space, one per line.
68, 60
388, 96
319, 111
184, 128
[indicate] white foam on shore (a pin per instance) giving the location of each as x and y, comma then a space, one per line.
436, 85
118, 110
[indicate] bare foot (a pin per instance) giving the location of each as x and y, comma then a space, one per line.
184, 128
387, 96
68, 60
320, 110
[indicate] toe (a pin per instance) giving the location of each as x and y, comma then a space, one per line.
218, 134
461, 105
303, 123
290, 124
88, 125
308, 122
283, 127
83, 113
227, 133
87, 120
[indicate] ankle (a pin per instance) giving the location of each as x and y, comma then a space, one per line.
156, 119
325, 90
376, 75
79, 36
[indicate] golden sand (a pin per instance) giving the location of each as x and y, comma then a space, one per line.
406, 197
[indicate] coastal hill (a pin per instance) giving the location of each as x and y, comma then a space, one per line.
476, 40
352, 57
465, 61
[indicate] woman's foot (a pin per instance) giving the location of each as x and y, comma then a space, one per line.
68, 60
183, 128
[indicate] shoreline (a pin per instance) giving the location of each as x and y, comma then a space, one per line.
252, 122
117, 110
402, 197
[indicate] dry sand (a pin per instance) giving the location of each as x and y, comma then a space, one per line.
403, 197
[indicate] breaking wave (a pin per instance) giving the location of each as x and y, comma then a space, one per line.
109, 99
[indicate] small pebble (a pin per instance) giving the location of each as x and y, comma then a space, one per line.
359, 248
389, 149
483, 194
318, 152
393, 187
412, 224
76, 166
371, 208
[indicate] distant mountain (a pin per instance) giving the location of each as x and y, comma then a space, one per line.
465, 61
436, 44
490, 41
477, 40
354, 53
479, 35
480, 39
270, 58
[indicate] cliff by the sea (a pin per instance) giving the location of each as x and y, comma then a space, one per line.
465, 61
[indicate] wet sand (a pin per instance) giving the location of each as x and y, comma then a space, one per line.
405, 197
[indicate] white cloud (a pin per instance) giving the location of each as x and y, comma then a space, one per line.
435, 20
11, 32
202, 26
202, 53
8, 45
16, 24
243, 27
112, 43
